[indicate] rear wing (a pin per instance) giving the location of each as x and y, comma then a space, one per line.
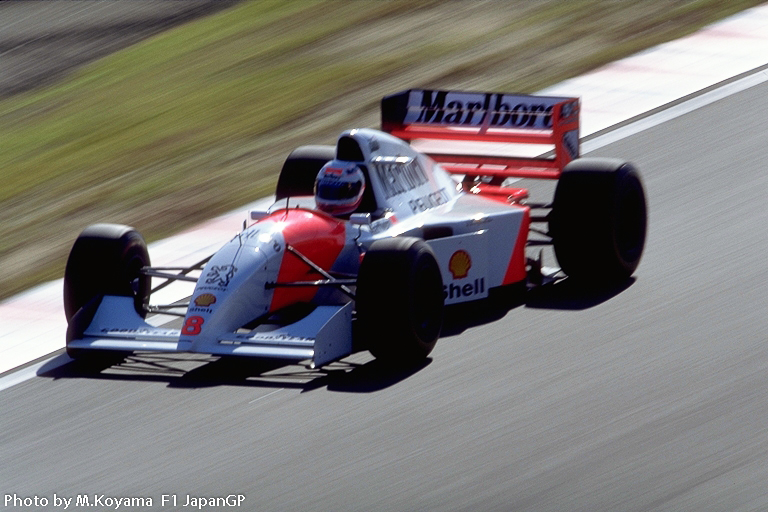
503, 123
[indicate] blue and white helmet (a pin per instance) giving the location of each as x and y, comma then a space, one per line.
339, 187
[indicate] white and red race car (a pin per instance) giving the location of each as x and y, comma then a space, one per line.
313, 280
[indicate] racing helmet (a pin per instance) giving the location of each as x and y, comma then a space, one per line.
339, 187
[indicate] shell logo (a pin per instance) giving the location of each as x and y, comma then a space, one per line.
459, 264
205, 300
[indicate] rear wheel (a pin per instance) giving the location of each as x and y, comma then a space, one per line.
297, 177
106, 259
598, 220
399, 300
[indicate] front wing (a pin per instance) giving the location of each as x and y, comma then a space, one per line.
323, 336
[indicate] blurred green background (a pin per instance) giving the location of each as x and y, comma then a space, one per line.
197, 120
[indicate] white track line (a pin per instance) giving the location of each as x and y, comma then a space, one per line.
674, 111
33, 370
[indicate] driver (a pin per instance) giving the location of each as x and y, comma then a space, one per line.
339, 187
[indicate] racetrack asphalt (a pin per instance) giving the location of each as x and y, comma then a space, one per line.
649, 398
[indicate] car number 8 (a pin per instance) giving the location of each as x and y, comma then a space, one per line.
192, 326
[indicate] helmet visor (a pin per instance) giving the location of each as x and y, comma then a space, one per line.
335, 191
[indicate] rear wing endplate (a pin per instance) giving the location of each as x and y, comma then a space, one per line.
501, 121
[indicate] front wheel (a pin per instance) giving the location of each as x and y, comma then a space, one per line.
399, 300
106, 259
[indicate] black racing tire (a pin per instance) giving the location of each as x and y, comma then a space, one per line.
599, 220
106, 259
297, 177
399, 301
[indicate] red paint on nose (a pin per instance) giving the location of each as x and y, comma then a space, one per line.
318, 237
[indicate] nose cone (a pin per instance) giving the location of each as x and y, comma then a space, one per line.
319, 238
237, 285
231, 291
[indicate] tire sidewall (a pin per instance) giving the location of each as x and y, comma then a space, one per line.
106, 259
629, 221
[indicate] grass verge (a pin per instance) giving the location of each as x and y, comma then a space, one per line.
197, 120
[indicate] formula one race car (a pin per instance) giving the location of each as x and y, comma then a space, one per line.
370, 239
